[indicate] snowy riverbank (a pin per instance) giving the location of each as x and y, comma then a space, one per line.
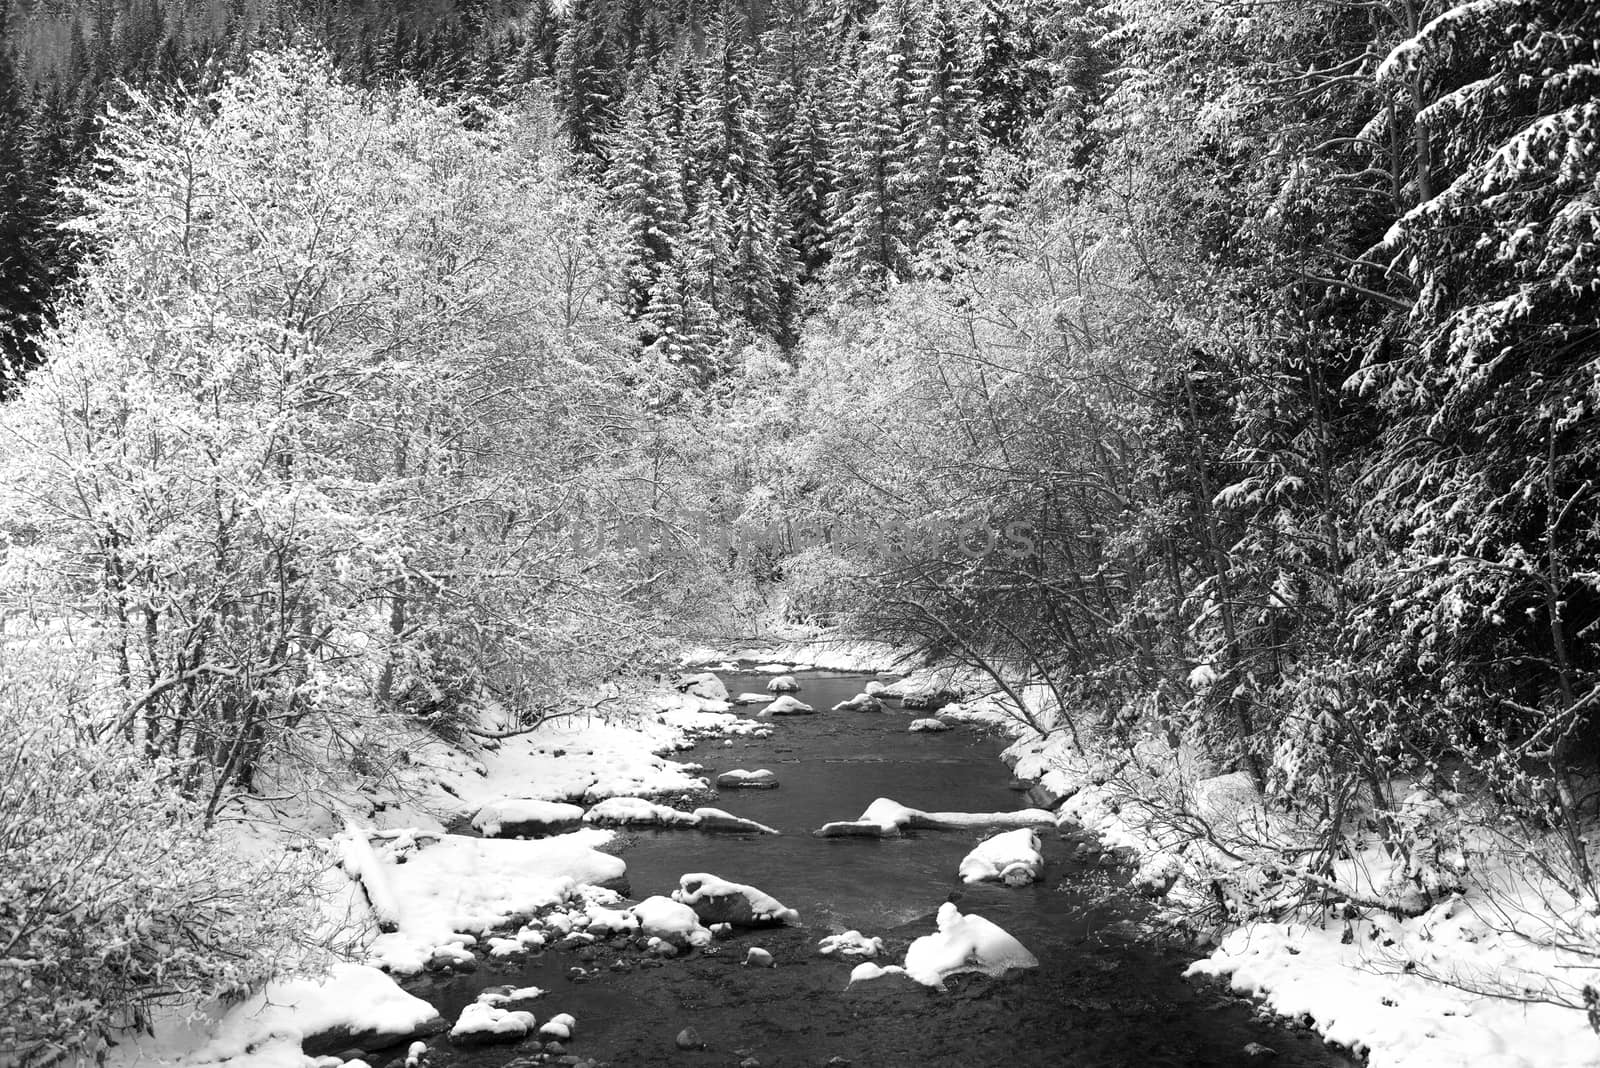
411, 896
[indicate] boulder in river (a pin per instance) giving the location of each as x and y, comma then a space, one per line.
716, 900
928, 726
748, 698
756, 957
689, 1039
783, 684
705, 685
740, 779
1011, 857
861, 702
788, 706
714, 819
482, 1024
512, 817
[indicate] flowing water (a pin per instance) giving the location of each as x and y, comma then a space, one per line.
1107, 991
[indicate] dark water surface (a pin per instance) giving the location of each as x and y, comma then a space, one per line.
1106, 992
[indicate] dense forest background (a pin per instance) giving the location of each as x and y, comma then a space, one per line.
1248, 348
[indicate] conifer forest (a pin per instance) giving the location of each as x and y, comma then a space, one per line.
1199, 399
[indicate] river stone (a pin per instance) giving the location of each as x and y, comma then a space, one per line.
1257, 1051
756, 957
714, 819
516, 817
688, 1039
1041, 796
856, 829
749, 698
783, 684
861, 702
928, 726
704, 685
740, 779
787, 706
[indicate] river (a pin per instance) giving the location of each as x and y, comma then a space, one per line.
1108, 990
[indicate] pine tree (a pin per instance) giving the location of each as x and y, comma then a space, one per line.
944, 151
645, 179
872, 238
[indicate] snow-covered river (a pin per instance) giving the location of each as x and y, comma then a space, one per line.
1106, 992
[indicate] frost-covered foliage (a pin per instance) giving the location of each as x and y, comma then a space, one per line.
305, 437
1286, 375
114, 898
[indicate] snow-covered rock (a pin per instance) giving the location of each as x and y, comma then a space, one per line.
773, 669
715, 819
740, 779
928, 725
964, 944
482, 1023
885, 818
634, 811
559, 1027
513, 816
867, 971
861, 702
756, 957
1158, 873
705, 685
502, 996
703, 722
604, 921
671, 921
787, 706
749, 698
716, 900
850, 944
783, 684
1011, 857
874, 688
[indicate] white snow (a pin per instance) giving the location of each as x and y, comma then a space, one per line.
351, 997
1360, 994
756, 957
783, 684
1011, 857
787, 706
964, 944
475, 885
928, 725
559, 1027
491, 818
